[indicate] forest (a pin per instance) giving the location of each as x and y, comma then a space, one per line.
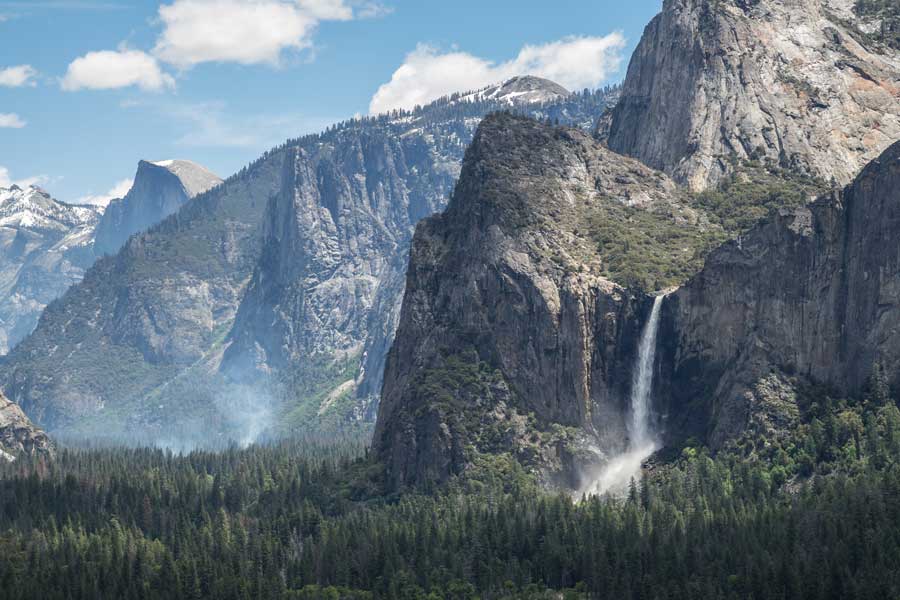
811, 511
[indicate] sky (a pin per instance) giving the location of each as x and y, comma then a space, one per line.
90, 87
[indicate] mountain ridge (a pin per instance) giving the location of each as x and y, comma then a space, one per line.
167, 310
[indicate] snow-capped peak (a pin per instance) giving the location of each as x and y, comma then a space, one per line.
518, 91
33, 208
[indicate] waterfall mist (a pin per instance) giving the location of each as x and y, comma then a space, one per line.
616, 474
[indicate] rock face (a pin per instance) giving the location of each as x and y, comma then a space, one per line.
45, 246
510, 340
794, 81
322, 306
18, 435
811, 293
347, 206
159, 190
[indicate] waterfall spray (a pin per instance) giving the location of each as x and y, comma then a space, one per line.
642, 441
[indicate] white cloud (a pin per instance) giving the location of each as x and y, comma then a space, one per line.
427, 74
327, 9
17, 76
117, 191
240, 31
372, 10
110, 69
11, 121
6, 180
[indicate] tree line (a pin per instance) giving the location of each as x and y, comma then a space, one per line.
810, 512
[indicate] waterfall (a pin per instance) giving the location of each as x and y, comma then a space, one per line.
618, 472
642, 380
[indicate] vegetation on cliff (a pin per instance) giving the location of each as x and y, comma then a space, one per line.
651, 251
887, 16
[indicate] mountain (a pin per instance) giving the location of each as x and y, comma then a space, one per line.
526, 302
515, 343
519, 91
18, 435
715, 83
160, 189
513, 337
321, 309
45, 246
142, 316
268, 299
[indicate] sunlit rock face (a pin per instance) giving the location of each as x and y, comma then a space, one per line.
795, 81
17, 434
509, 345
323, 304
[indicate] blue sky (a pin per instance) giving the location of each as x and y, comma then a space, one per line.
89, 87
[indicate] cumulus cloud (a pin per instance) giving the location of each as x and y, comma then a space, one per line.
17, 76
110, 69
199, 31
427, 74
117, 191
11, 121
6, 179
241, 31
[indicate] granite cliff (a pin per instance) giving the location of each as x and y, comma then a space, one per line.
809, 295
141, 317
160, 189
268, 301
799, 82
513, 337
323, 303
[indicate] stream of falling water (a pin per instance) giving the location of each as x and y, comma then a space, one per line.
642, 442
